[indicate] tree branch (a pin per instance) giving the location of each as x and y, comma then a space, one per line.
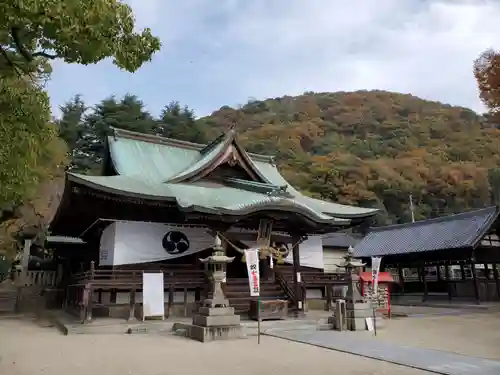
44, 54
22, 49
10, 62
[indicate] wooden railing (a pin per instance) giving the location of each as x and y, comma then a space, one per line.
83, 286
41, 278
285, 286
327, 282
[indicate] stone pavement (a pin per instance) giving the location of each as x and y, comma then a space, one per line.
435, 361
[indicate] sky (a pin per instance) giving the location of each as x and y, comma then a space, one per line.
225, 52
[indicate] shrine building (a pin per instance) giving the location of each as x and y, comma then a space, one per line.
159, 203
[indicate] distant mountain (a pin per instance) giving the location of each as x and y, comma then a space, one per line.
374, 148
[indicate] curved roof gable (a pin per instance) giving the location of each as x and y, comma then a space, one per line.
158, 160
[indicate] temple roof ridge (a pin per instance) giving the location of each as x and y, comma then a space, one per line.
202, 148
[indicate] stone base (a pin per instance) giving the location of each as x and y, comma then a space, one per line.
207, 334
212, 323
356, 313
216, 320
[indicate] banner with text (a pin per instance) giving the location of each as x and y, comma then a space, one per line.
375, 272
252, 260
132, 242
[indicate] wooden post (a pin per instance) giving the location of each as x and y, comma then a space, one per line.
462, 271
401, 279
438, 273
132, 303
447, 277
297, 280
496, 278
90, 290
424, 281
474, 280
487, 281
328, 302
132, 299
486, 271
185, 301
25, 262
170, 299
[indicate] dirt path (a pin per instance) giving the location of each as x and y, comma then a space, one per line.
28, 349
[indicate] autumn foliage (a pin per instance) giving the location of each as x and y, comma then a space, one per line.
375, 148
487, 73
366, 148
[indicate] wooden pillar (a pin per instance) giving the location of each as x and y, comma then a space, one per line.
90, 292
487, 281
328, 302
424, 281
297, 279
496, 278
438, 272
447, 277
401, 279
25, 262
462, 271
132, 303
474, 280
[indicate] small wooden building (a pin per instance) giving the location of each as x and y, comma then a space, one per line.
443, 253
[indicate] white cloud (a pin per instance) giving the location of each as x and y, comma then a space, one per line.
225, 51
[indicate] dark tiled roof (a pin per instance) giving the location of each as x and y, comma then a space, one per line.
463, 230
339, 239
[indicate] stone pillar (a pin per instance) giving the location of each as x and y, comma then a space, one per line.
357, 308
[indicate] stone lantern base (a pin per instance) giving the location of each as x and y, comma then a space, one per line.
211, 324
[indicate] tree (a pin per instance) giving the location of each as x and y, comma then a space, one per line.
487, 73
83, 32
32, 33
25, 136
70, 121
180, 123
128, 113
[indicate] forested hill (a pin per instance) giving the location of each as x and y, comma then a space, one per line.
366, 148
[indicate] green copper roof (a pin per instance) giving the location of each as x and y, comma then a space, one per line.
215, 199
151, 166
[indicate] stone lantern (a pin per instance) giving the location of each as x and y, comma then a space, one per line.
215, 319
216, 266
353, 268
353, 315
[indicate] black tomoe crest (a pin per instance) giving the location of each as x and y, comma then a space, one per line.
175, 242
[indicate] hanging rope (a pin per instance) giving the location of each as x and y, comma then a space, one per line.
264, 251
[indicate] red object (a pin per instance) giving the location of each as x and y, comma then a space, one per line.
383, 278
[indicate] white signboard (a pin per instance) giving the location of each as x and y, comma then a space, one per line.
132, 242
375, 272
252, 260
153, 297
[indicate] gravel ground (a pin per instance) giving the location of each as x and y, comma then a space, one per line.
26, 349
470, 333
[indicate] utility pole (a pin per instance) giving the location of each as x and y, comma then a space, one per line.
412, 210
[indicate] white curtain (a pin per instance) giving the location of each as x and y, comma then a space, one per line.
311, 253
130, 242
